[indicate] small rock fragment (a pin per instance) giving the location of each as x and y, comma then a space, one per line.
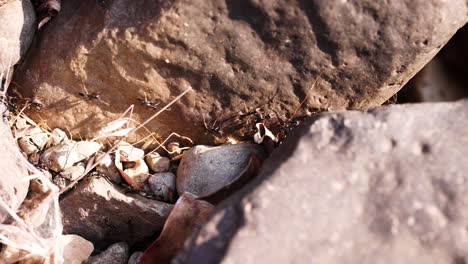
135, 257
100, 212
138, 173
204, 169
107, 167
76, 249
130, 153
163, 185
21, 123
114, 254
72, 173
157, 163
65, 154
57, 136
33, 143
60, 182
27, 131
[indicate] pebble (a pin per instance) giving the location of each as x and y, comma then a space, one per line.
27, 131
205, 169
135, 257
129, 152
73, 172
67, 153
163, 185
139, 173
107, 167
115, 254
76, 249
33, 143
157, 163
57, 136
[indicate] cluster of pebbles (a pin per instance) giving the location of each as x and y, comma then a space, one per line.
64, 160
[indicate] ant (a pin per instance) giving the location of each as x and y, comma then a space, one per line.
87, 95
148, 103
212, 127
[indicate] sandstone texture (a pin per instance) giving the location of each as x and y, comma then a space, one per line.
237, 55
383, 186
103, 214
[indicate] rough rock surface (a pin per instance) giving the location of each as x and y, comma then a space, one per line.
135, 257
16, 31
114, 254
384, 186
103, 214
205, 169
163, 185
238, 55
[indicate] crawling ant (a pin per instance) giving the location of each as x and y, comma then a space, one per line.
95, 95
212, 128
148, 103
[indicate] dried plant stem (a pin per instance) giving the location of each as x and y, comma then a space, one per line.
101, 157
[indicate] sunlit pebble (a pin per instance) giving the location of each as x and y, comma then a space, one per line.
232, 140
167, 60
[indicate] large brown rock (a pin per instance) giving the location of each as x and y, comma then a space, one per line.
104, 214
238, 56
384, 186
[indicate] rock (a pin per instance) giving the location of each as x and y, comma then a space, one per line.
138, 172
61, 182
72, 173
163, 185
75, 250
107, 167
33, 143
21, 123
114, 254
57, 136
157, 163
204, 169
68, 153
238, 56
129, 152
27, 131
103, 214
135, 257
383, 186
16, 30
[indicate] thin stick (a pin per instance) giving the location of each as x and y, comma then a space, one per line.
69, 186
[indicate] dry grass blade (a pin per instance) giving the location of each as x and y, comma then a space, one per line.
101, 157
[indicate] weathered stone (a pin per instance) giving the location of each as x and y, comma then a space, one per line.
157, 163
76, 249
68, 153
114, 254
204, 169
107, 167
138, 173
72, 173
135, 257
129, 152
163, 185
33, 143
384, 186
103, 214
16, 32
238, 56
57, 136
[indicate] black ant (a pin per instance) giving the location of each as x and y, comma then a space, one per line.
95, 95
212, 128
148, 103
